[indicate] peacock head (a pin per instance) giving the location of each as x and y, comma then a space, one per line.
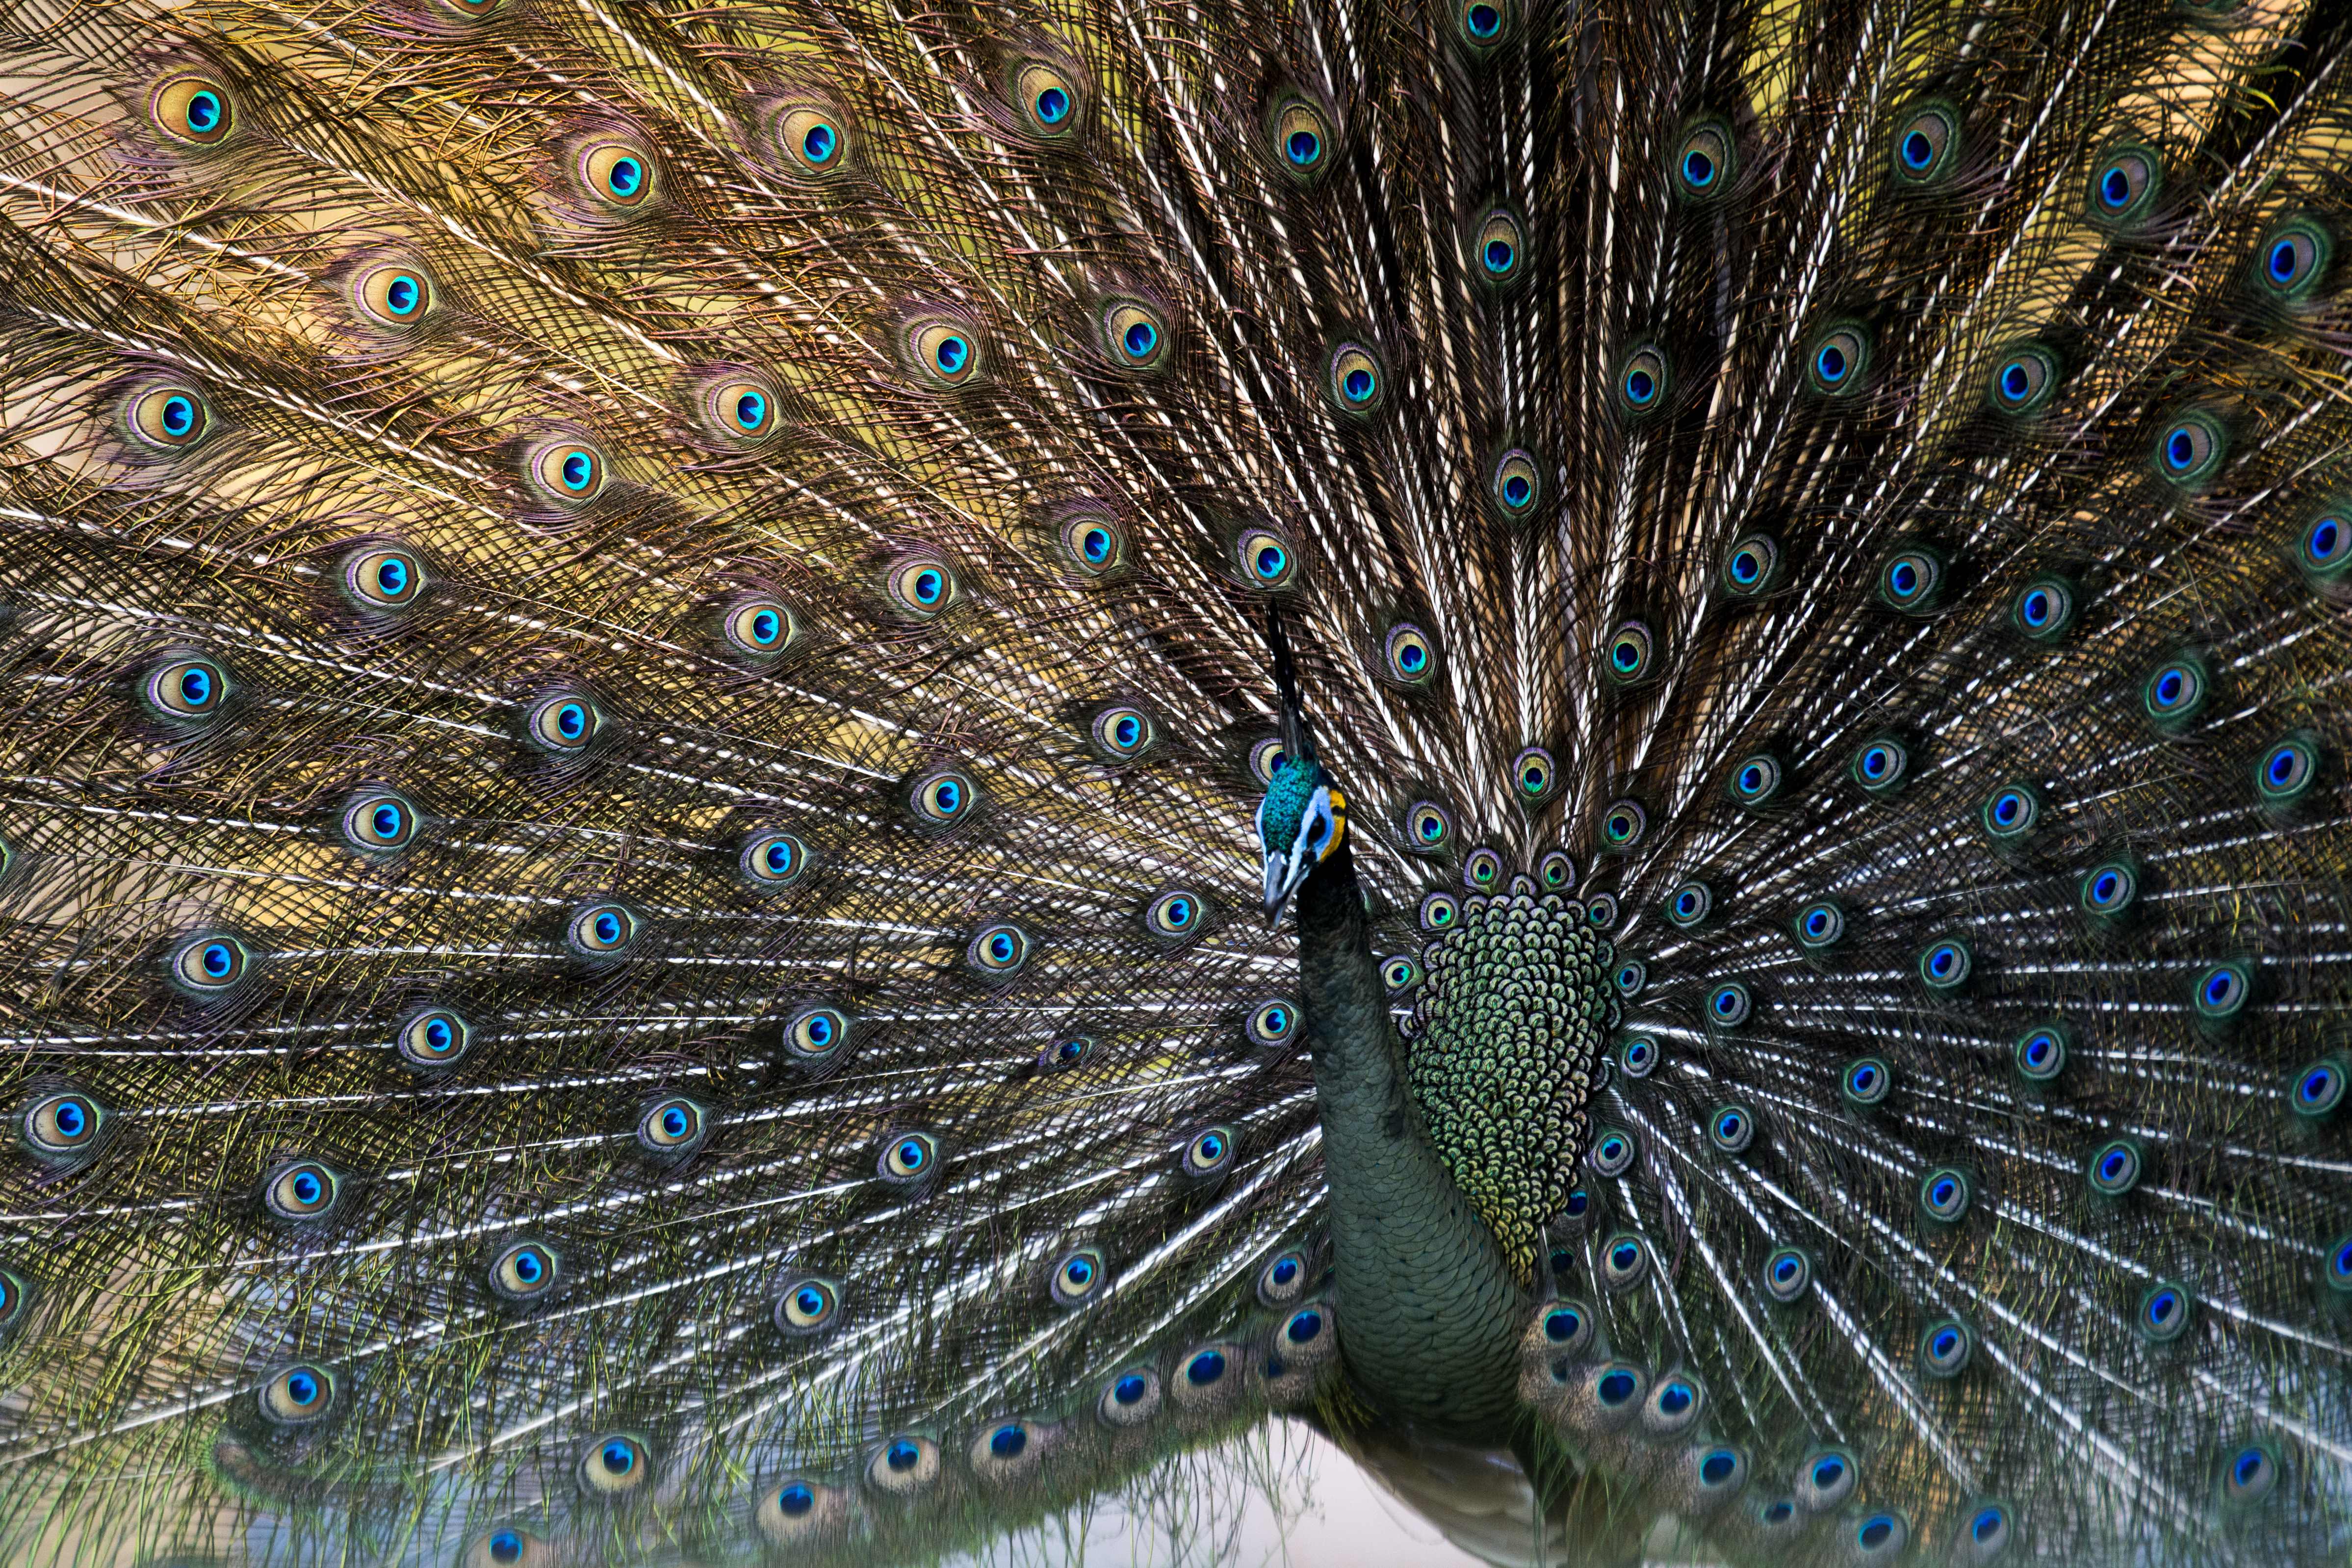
1300, 822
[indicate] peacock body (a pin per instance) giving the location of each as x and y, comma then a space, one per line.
662, 663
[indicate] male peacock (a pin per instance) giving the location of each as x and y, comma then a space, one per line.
641, 640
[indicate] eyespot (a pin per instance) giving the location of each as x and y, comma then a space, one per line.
1137, 337
434, 1038
301, 1191
1484, 25
1556, 872
816, 1033
2024, 378
2010, 812
2317, 1088
2175, 692
1826, 1479
1400, 974
1730, 1004
2043, 608
1757, 779
603, 930
1625, 1262
1866, 1081
1410, 658
1284, 1278
63, 1124
774, 860
673, 1126
2292, 258
1705, 162
1630, 653
1209, 1152
2165, 1311
193, 109
1096, 545
1622, 824
1985, 1535
2124, 185
1518, 484
908, 1157
1267, 558
2190, 448
525, 1271
615, 1465
1788, 1275
1881, 766
168, 418
1568, 1328
1689, 904
2339, 1265
2222, 991
1130, 1399
384, 578
998, 951
1911, 579
807, 1306
1753, 567
1944, 966
814, 141
1639, 1056
298, 1395
1675, 1405
1060, 1055
1427, 827
2113, 1168
617, 174
1601, 911
188, 689
570, 473
15, 1294
1354, 380
740, 408
1482, 869
1616, 1385
379, 822
1630, 978
944, 796
1819, 925
1271, 1023
1440, 912
1497, 248
1641, 381
2109, 889
211, 962
1301, 137
1076, 1276
565, 723
1927, 146
1049, 101
1176, 913
2287, 770
1731, 1128
1880, 1536
1944, 1193
2252, 1474
1837, 361
922, 586
399, 295
2326, 551
1613, 1153
2041, 1053
1777, 1517
946, 352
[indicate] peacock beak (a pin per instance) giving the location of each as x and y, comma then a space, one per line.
1285, 869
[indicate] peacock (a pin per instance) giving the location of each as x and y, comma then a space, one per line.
792, 782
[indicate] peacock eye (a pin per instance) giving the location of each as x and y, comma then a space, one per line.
506, 1547
1400, 974
1826, 1478
1484, 25
603, 931
1641, 381
814, 140
814, 1033
2010, 812
524, 1271
304, 1190
1926, 145
1945, 1348
1639, 1056
398, 294
211, 962
921, 586
1756, 779
741, 409
774, 860
1267, 560
908, 1157
384, 578
2024, 378
565, 723
188, 689
1271, 1023
1625, 1262
1601, 911
1482, 869
1284, 1278
2221, 992
1138, 335
760, 628
2317, 1088
168, 418
905, 1464
2113, 1168
2287, 772
1353, 378
797, 1510
1427, 827
1518, 484
944, 796
1440, 912
1130, 1398
379, 823
1945, 967
567, 472
2249, 1475
1096, 545
1060, 1055
2292, 258
946, 352
1752, 567
2175, 692
1945, 1193
435, 1038
673, 1126
1788, 1275
2124, 185
1049, 101
1209, 1153
1077, 1276
1556, 871
1837, 360
1704, 161
1410, 658
1175, 913
1689, 904
2190, 448
1881, 766
298, 1395
1497, 247
2326, 551
1867, 1082
1302, 139
65, 1124
1730, 1128
1730, 1004
2041, 1053
2043, 608
1266, 759
193, 109
617, 173
1622, 824
998, 951
1123, 731
1630, 653
615, 1465
808, 1306
16, 1294
1820, 924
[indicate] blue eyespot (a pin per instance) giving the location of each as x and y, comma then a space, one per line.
1304, 148
1643, 378
1728, 1005
1204, 1368
1945, 967
818, 143
795, 1499
2222, 991
1052, 106
1946, 1193
1481, 21
1616, 1386
1129, 1388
